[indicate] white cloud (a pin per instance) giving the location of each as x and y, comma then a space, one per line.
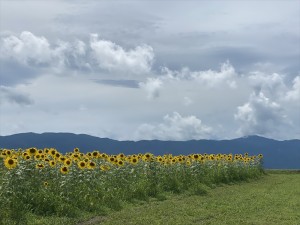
174, 127
27, 49
294, 94
261, 116
37, 52
113, 57
152, 86
208, 78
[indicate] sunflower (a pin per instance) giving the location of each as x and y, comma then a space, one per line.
37, 156
148, 155
91, 165
8, 152
53, 152
10, 163
68, 162
62, 158
27, 157
104, 167
64, 170
57, 155
95, 154
120, 163
86, 160
180, 160
121, 155
134, 161
52, 163
40, 166
46, 184
32, 151
76, 150
3, 155
75, 156
188, 163
196, 156
103, 155
159, 159
24, 154
81, 164
111, 159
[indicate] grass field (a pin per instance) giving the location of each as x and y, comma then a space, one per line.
271, 199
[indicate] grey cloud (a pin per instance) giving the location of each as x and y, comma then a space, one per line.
125, 24
118, 83
11, 95
12, 72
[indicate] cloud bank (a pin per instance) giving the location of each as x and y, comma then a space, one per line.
174, 127
100, 87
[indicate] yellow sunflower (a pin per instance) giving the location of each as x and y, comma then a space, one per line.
81, 164
134, 161
40, 166
64, 170
120, 163
91, 165
68, 162
104, 167
32, 151
10, 163
52, 163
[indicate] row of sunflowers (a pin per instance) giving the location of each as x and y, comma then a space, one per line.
48, 182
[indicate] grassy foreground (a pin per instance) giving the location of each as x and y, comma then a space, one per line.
272, 199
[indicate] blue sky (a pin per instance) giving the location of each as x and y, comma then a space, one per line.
169, 70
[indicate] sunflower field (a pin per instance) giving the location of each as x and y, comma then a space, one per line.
46, 182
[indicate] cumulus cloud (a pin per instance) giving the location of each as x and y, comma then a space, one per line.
208, 78
174, 127
294, 94
32, 50
26, 49
10, 95
113, 57
37, 52
152, 86
260, 116
270, 84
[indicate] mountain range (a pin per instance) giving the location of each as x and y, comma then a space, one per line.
277, 154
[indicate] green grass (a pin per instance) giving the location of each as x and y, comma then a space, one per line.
271, 199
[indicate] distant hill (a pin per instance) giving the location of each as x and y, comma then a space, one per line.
277, 154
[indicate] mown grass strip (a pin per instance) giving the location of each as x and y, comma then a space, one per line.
273, 199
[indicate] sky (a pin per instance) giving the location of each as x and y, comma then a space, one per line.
143, 70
